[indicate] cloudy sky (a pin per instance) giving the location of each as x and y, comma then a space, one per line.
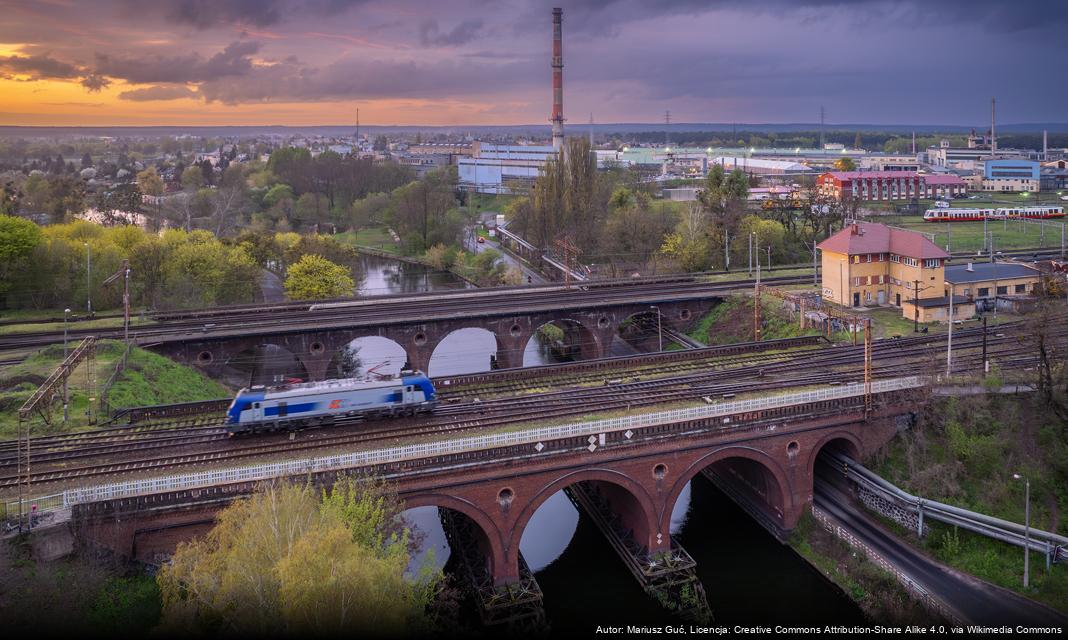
303, 62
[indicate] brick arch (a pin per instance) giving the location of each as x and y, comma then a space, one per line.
499, 348
590, 347
769, 464
493, 535
632, 488
814, 451
337, 352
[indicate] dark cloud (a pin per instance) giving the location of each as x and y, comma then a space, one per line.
205, 14
431, 35
605, 17
365, 78
38, 67
234, 60
95, 82
209, 13
158, 93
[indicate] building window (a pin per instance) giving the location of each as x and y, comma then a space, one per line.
1021, 288
856, 282
1003, 290
931, 263
984, 292
869, 257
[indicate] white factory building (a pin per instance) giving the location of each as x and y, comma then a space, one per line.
493, 167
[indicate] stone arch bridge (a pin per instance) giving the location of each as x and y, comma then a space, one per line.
764, 459
315, 348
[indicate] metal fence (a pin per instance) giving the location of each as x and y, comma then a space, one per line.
534, 436
1053, 546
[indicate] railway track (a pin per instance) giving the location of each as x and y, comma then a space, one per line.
384, 310
843, 364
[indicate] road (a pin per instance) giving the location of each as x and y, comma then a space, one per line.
977, 602
474, 246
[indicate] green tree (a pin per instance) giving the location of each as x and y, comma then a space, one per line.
845, 164
152, 185
283, 562
316, 278
18, 238
192, 178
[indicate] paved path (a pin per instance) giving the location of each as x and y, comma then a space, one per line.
474, 246
271, 286
977, 602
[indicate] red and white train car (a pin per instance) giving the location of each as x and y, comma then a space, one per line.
1001, 213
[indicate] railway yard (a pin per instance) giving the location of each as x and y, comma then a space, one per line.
161, 440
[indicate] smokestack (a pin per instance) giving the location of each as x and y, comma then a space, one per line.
993, 137
1045, 147
558, 80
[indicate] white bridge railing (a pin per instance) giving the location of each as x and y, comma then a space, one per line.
535, 436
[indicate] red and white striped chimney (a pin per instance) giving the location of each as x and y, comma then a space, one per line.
558, 80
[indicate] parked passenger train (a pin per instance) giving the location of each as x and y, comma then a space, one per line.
306, 404
1011, 213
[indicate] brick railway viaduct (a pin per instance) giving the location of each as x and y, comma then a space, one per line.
318, 348
763, 458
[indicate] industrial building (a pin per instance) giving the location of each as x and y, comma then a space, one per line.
889, 185
496, 168
1011, 175
983, 281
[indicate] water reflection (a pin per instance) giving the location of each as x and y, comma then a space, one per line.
433, 546
549, 531
463, 351
382, 276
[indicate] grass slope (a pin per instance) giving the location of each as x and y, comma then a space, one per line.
964, 452
149, 379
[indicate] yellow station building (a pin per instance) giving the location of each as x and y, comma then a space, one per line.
869, 264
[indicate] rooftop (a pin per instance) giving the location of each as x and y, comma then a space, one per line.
872, 237
986, 271
943, 301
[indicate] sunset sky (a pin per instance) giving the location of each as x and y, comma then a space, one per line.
311, 62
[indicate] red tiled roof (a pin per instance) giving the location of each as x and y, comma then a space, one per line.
871, 237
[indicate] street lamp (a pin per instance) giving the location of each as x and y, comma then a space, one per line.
1027, 524
659, 327
66, 317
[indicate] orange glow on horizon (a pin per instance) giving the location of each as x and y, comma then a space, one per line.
67, 103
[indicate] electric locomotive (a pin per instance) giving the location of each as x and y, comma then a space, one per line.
296, 406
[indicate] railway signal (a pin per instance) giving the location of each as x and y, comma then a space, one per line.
124, 273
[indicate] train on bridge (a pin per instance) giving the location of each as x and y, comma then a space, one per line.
310, 404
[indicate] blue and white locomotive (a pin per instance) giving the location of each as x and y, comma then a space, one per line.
306, 404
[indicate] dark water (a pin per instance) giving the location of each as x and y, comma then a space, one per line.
382, 276
749, 577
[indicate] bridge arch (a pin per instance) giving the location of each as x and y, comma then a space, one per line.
759, 475
627, 497
490, 538
841, 440
370, 351
589, 342
450, 357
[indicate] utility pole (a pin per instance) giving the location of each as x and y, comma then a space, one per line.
89, 279
727, 250
949, 342
986, 365
750, 254
124, 273
916, 306
569, 250
867, 366
66, 395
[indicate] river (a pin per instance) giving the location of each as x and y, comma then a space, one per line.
748, 576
